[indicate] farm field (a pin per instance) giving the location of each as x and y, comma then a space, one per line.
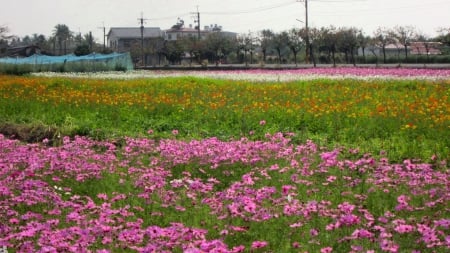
317, 160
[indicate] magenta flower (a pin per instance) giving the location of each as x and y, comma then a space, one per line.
314, 232
259, 244
402, 229
326, 250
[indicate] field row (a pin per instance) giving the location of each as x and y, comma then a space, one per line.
406, 118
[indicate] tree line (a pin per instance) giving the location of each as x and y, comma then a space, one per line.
61, 41
330, 45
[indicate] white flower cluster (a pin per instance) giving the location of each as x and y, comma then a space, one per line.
268, 75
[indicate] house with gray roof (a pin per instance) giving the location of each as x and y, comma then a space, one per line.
128, 39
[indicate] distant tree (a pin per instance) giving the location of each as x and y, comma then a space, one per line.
280, 43
383, 37
295, 42
314, 36
328, 42
89, 40
444, 36
4, 39
246, 44
4, 30
39, 40
173, 51
193, 47
218, 45
348, 43
265, 42
404, 35
62, 34
78, 38
52, 41
26, 40
82, 49
363, 42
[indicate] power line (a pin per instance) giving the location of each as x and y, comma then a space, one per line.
260, 9
172, 17
338, 1
378, 10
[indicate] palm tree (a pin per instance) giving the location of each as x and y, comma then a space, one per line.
62, 33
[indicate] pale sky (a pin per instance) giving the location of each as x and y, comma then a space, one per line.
25, 17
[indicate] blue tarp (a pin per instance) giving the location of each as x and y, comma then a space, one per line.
123, 59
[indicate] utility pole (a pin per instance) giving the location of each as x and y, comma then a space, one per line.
198, 22
307, 48
104, 36
307, 32
142, 21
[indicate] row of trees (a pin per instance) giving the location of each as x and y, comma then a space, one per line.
62, 41
326, 45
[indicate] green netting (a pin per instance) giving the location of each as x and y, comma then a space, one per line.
73, 63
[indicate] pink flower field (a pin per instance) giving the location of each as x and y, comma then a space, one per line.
210, 195
275, 75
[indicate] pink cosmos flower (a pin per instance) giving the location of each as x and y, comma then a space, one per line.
331, 179
313, 232
326, 250
262, 122
102, 196
259, 244
402, 229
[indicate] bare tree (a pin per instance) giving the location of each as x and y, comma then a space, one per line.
295, 42
404, 35
363, 42
314, 36
349, 42
265, 41
444, 36
382, 37
328, 42
280, 43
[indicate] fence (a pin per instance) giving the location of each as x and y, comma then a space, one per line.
69, 63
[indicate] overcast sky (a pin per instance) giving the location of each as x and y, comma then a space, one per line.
25, 17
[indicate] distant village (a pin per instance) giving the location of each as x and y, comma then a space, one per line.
186, 44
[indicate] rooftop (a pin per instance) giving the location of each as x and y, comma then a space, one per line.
135, 32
